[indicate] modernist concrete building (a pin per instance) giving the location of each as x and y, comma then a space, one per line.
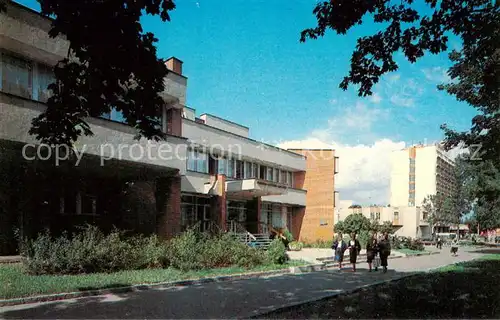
214, 174
407, 221
418, 172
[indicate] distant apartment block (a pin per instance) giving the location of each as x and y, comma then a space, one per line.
420, 171
406, 221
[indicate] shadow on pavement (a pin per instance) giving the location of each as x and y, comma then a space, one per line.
486, 251
233, 299
466, 291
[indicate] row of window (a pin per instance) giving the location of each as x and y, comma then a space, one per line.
25, 78
236, 169
375, 215
30, 80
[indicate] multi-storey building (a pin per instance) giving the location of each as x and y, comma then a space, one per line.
207, 171
407, 221
420, 171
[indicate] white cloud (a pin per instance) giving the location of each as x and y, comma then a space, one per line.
402, 101
364, 167
376, 98
436, 74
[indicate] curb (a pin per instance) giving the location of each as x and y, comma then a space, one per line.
285, 307
422, 254
143, 287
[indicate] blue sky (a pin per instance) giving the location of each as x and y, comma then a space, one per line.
244, 62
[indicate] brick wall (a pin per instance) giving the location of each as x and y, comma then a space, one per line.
299, 179
297, 219
318, 219
169, 223
174, 122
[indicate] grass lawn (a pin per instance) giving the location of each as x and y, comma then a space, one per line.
14, 283
468, 291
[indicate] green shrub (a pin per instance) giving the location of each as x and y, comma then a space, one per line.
224, 251
407, 243
276, 252
288, 235
91, 251
296, 246
320, 244
185, 251
415, 245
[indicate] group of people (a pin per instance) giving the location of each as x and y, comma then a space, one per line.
377, 251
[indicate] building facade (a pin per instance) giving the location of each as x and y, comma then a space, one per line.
319, 181
420, 171
208, 172
407, 221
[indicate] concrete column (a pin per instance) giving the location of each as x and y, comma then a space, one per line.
259, 213
283, 216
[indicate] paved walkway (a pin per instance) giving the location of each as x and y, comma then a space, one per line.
237, 299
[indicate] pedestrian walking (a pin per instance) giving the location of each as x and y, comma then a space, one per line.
354, 250
372, 253
339, 247
385, 251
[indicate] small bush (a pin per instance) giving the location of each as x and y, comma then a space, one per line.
296, 246
288, 235
276, 252
407, 243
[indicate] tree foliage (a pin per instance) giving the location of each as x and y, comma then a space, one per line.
354, 223
111, 63
481, 190
439, 209
475, 71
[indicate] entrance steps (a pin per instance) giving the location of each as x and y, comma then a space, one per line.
259, 241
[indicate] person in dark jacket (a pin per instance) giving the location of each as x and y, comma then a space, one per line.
371, 252
339, 247
385, 250
354, 250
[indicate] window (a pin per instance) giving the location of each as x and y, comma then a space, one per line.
17, 76
74, 202
276, 176
248, 170
290, 179
412, 186
372, 215
222, 166
283, 176
396, 215
230, 168
44, 78
263, 172
425, 216
240, 169
377, 216
269, 174
255, 170
197, 161
191, 161
114, 115
194, 209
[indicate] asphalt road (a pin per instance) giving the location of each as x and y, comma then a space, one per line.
235, 299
